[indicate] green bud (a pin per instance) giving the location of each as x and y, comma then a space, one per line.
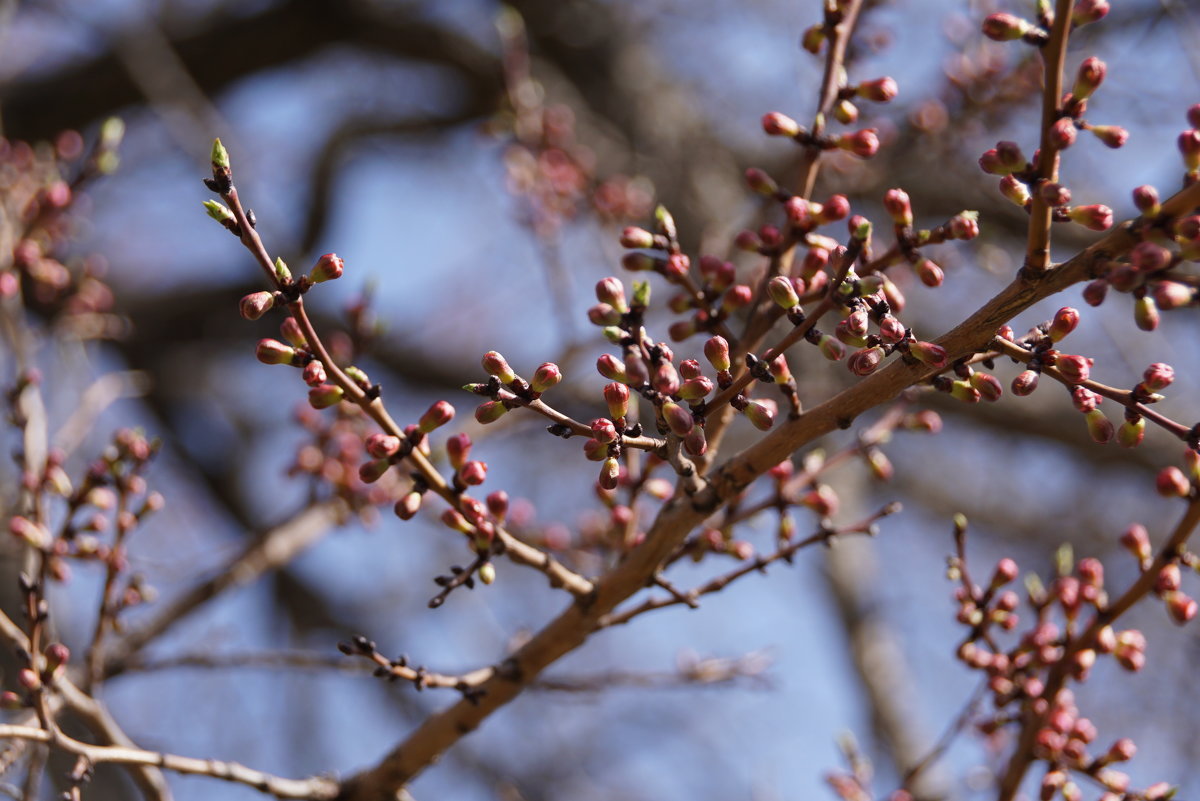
220, 156
281, 271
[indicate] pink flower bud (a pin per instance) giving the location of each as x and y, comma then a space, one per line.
695, 443
436, 416
255, 305
610, 472
823, 500
1122, 750
271, 351
1145, 197
1095, 292
612, 368
1158, 376
30, 532
761, 183
1172, 295
880, 90
1004, 27
830, 348
370, 472
866, 361
289, 329
1014, 190
930, 274
834, 209
864, 143
497, 365
737, 297
761, 414
489, 412
1145, 313
594, 450
929, 354
603, 430
1149, 257
1180, 606
314, 373
1172, 483
1090, 76
1084, 399
696, 389
546, 376
1168, 579
898, 206
473, 473
381, 446
665, 378
1063, 133
677, 418
716, 350
1131, 433
1055, 194
1136, 540
987, 385
633, 237
1113, 136
776, 124
1074, 369
324, 396
1025, 383
1087, 11
327, 268
964, 225
1189, 147
748, 241
454, 520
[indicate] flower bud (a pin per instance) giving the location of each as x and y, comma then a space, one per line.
760, 414
1090, 76
963, 391
546, 376
864, 143
880, 90
1145, 313
595, 450
1005, 27
1086, 11
633, 237
776, 124
1145, 197
898, 206
1055, 194
716, 350
370, 472
271, 351
610, 472
219, 212
638, 261
929, 354
964, 225
458, 449
611, 368
1113, 136
616, 395
677, 418
327, 268
497, 365
1172, 483
1180, 606
1074, 369
1131, 432
1158, 376
695, 443
837, 207
324, 396
1095, 292
1189, 147
1122, 750
1096, 217
473, 473
314, 373
812, 39
665, 378
30, 532
489, 412
255, 305
930, 274
454, 520
1063, 133
696, 389
830, 348
987, 385
1084, 399
783, 292
1172, 295
1099, 427
436, 416
866, 361
1025, 383
1014, 190
381, 446
845, 112
761, 183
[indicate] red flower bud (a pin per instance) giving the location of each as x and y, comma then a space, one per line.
255, 305
930, 274
929, 354
695, 389
783, 292
612, 368
497, 365
964, 225
489, 412
776, 124
1158, 376
1145, 313
436, 416
834, 209
678, 419
1014, 190
1181, 607
610, 472
880, 90
616, 395
1113, 136
289, 329
324, 396
1063, 133
1090, 76
1145, 197
1189, 147
546, 376
327, 268
1172, 295
633, 237
370, 472
1055, 194
864, 143
898, 206
271, 351
314, 373
866, 361
458, 448
761, 183
381, 446
1004, 27
761, 414
987, 385
603, 430
1025, 383
716, 350
1074, 369
473, 473
1172, 483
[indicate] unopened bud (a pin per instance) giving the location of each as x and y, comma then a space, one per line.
497, 365
880, 90
327, 268
437, 415
546, 376
324, 396
271, 351
255, 305
898, 206
489, 412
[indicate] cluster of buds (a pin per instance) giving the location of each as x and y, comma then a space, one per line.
39, 187
863, 143
507, 390
1020, 180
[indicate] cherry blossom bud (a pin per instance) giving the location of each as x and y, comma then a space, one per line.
1005, 27
1090, 76
1099, 427
1084, 399
813, 37
1145, 313
823, 500
830, 348
929, 354
1145, 197
866, 361
1055, 194
845, 112
783, 292
1180, 606
964, 225
1095, 292
633, 237
695, 389
748, 241
1172, 483
761, 183
381, 446
489, 412
736, 297
407, 507
327, 268
987, 385
473, 473
1074, 369
370, 472
436, 416
880, 90
1086, 11
1189, 147
898, 206
963, 391
779, 369
289, 329
716, 350
610, 472
324, 396
497, 365
761, 414
1136, 540
1158, 376
776, 124
930, 274
1172, 295
1096, 217
616, 395
546, 376
1149, 257
595, 451
454, 520
255, 305
1063, 133
695, 443
1113, 136
1158, 792
611, 368
678, 419
271, 351
665, 378
603, 430
864, 143
635, 368
30, 532
1168, 579
1010, 156
1122, 750
834, 209
1014, 190
891, 330
638, 261
1131, 433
